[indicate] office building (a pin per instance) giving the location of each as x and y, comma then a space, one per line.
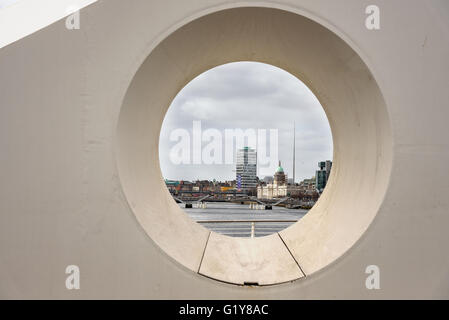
322, 175
246, 169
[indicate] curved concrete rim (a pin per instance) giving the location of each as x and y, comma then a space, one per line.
357, 115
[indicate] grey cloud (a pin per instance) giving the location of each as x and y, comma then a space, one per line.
249, 95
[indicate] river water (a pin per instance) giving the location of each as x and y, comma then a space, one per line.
225, 211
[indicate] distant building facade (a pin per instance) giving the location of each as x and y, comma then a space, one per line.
308, 185
199, 186
268, 179
246, 169
322, 175
279, 188
172, 185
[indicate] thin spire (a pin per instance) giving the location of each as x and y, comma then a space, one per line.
294, 150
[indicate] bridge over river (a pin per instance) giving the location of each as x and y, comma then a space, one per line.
189, 197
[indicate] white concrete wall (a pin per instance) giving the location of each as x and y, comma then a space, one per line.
61, 199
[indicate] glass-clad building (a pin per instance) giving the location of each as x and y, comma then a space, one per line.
323, 174
246, 168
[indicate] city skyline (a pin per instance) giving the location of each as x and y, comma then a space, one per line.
269, 178
273, 99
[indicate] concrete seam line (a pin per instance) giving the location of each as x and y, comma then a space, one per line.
204, 251
297, 263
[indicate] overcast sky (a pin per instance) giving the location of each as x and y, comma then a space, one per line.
248, 95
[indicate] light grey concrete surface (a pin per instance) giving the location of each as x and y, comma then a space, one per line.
261, 261
73, 159
355, 109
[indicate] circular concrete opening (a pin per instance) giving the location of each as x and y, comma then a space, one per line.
214, 117
353, 104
